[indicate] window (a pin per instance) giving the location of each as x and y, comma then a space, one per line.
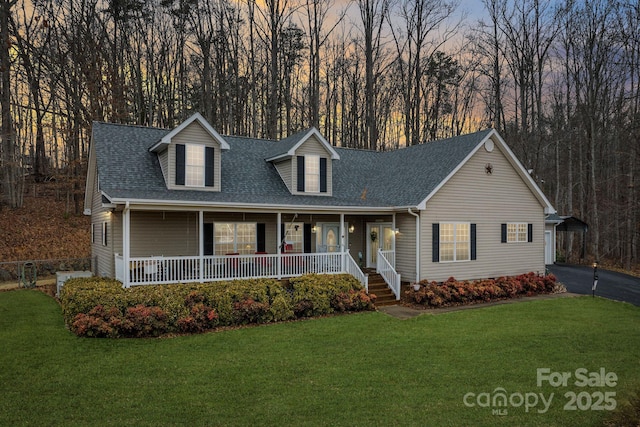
455, 242
105, 240
312, 174
232, 237
517, 232
294, 237
194, 165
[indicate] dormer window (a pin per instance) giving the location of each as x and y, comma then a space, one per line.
194, 165
312, 174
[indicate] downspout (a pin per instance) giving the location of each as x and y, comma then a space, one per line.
126, 243
417, 243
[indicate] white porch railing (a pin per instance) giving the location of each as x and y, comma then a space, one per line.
351, 267
164, 270
388, 272
390, 256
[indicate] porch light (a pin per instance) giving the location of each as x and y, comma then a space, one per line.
314, 229
396, 231
352, 228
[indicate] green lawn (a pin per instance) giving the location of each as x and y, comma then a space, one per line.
362, 369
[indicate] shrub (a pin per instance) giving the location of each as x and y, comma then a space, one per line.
98, 307
452, 292
142, 321
353, 301
99, 322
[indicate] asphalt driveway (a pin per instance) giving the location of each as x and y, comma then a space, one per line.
613, 285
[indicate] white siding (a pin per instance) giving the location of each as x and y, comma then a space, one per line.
193, 134
487, 200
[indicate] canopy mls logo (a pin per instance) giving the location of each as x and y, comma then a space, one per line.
499, 400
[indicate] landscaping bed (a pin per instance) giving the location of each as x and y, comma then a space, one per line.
100, 307
452, 292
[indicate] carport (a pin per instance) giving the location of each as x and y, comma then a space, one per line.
566, 224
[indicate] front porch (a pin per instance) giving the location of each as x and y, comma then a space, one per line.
181, 247
159, 270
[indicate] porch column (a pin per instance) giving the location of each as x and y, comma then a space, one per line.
279, 248
201, 244
126, 237
342, 244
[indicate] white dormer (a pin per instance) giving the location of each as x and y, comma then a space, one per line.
304, 162
190, 156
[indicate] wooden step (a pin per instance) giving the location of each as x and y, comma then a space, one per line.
384, 295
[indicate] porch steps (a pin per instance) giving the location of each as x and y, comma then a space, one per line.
379, 287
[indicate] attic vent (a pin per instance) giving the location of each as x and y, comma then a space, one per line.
488, 145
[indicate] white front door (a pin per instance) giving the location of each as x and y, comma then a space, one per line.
379, 236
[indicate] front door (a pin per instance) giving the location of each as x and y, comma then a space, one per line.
330, 238
379, 236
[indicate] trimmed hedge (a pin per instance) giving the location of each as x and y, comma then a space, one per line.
99, 307
453, 292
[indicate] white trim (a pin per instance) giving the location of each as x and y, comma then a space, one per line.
513, 160
312, 132
455, 241
166, 140
168, 204
417, 243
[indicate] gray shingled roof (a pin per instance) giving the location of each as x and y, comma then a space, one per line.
405, 177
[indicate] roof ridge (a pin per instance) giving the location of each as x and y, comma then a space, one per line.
129, 125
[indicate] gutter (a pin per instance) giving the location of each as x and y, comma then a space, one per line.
417, 243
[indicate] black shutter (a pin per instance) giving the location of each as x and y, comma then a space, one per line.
503, 234
307, 238
180, 164
323, 174
261, 237
529, 233
473, 242
435, 248
208, 166
301, 173
207, 238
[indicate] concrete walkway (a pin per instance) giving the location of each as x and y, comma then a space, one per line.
403, 312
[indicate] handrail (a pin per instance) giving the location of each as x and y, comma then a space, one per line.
388, 273
182, 269
352, 268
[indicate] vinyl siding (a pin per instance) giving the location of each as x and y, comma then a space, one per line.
314, 147
285, 169
164, 233
163, 157
488, 201
406, 247
103, 255
193, 134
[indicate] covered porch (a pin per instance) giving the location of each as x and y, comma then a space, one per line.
169, 246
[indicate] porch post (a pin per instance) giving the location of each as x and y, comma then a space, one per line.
201, 245
279, 249
126, 235
342, 244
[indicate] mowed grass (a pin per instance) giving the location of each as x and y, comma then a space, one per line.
354, 370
